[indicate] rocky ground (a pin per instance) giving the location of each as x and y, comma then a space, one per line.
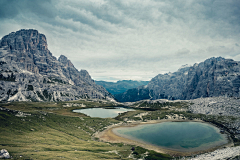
221, 107
226, 153
216, 106
228, 109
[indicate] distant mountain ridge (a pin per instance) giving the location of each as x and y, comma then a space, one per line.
211, 78
120, 86
29, 71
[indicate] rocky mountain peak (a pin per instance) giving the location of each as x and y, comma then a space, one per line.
64, 60
24, 40
211, 78
29, 71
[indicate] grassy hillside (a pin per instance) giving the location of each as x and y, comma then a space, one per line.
37, 130
50, 131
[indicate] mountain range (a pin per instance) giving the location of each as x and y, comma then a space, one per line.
29, 71
120, 86
212, 78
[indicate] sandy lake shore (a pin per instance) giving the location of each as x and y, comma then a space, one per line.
109, 136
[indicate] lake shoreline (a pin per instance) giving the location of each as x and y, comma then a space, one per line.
109, 136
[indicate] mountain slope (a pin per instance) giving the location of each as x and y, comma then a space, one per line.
29, 71
120, 86
211, 78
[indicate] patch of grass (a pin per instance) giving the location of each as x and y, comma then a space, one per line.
160, 105
140, 152
152, 155
44, 135
129, 115
52, 131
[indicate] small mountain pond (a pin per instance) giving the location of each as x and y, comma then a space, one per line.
178, 136
103, 112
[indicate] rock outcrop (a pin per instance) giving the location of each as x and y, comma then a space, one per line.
4, 154
212, 78
29, 71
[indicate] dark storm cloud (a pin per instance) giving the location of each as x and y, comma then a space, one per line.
125, 38
11, 8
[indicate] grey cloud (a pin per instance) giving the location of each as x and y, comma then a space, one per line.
7, 10
183, 51
11, 8
104, 11
150, 37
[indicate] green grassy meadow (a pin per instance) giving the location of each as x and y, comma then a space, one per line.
48, 130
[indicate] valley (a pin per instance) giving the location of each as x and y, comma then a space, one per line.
120, 86
41, 130
39, 92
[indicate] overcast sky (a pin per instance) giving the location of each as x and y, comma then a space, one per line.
129, 39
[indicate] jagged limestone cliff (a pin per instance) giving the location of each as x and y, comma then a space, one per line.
212, 78
29, 71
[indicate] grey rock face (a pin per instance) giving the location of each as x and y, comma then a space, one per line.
29, 71
212, 78
4, 154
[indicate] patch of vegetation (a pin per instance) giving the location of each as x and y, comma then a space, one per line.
44, 135
2, 62
129, 115
140, 152
57, 80
11, 78
11, 92
160, 105
40, 95
30, 88
235, 158
47, 95
152, 155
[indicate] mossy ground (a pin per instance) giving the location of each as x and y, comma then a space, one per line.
51, 131
54, 132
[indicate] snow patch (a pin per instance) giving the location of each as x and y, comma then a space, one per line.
71, 82
25, 71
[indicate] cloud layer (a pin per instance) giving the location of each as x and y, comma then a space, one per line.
119, 39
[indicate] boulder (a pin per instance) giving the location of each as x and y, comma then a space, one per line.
4, 154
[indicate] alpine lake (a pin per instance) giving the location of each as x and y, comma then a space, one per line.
175, 136
110, 112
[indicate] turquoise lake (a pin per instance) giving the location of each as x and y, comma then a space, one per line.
103, 112
178, 136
